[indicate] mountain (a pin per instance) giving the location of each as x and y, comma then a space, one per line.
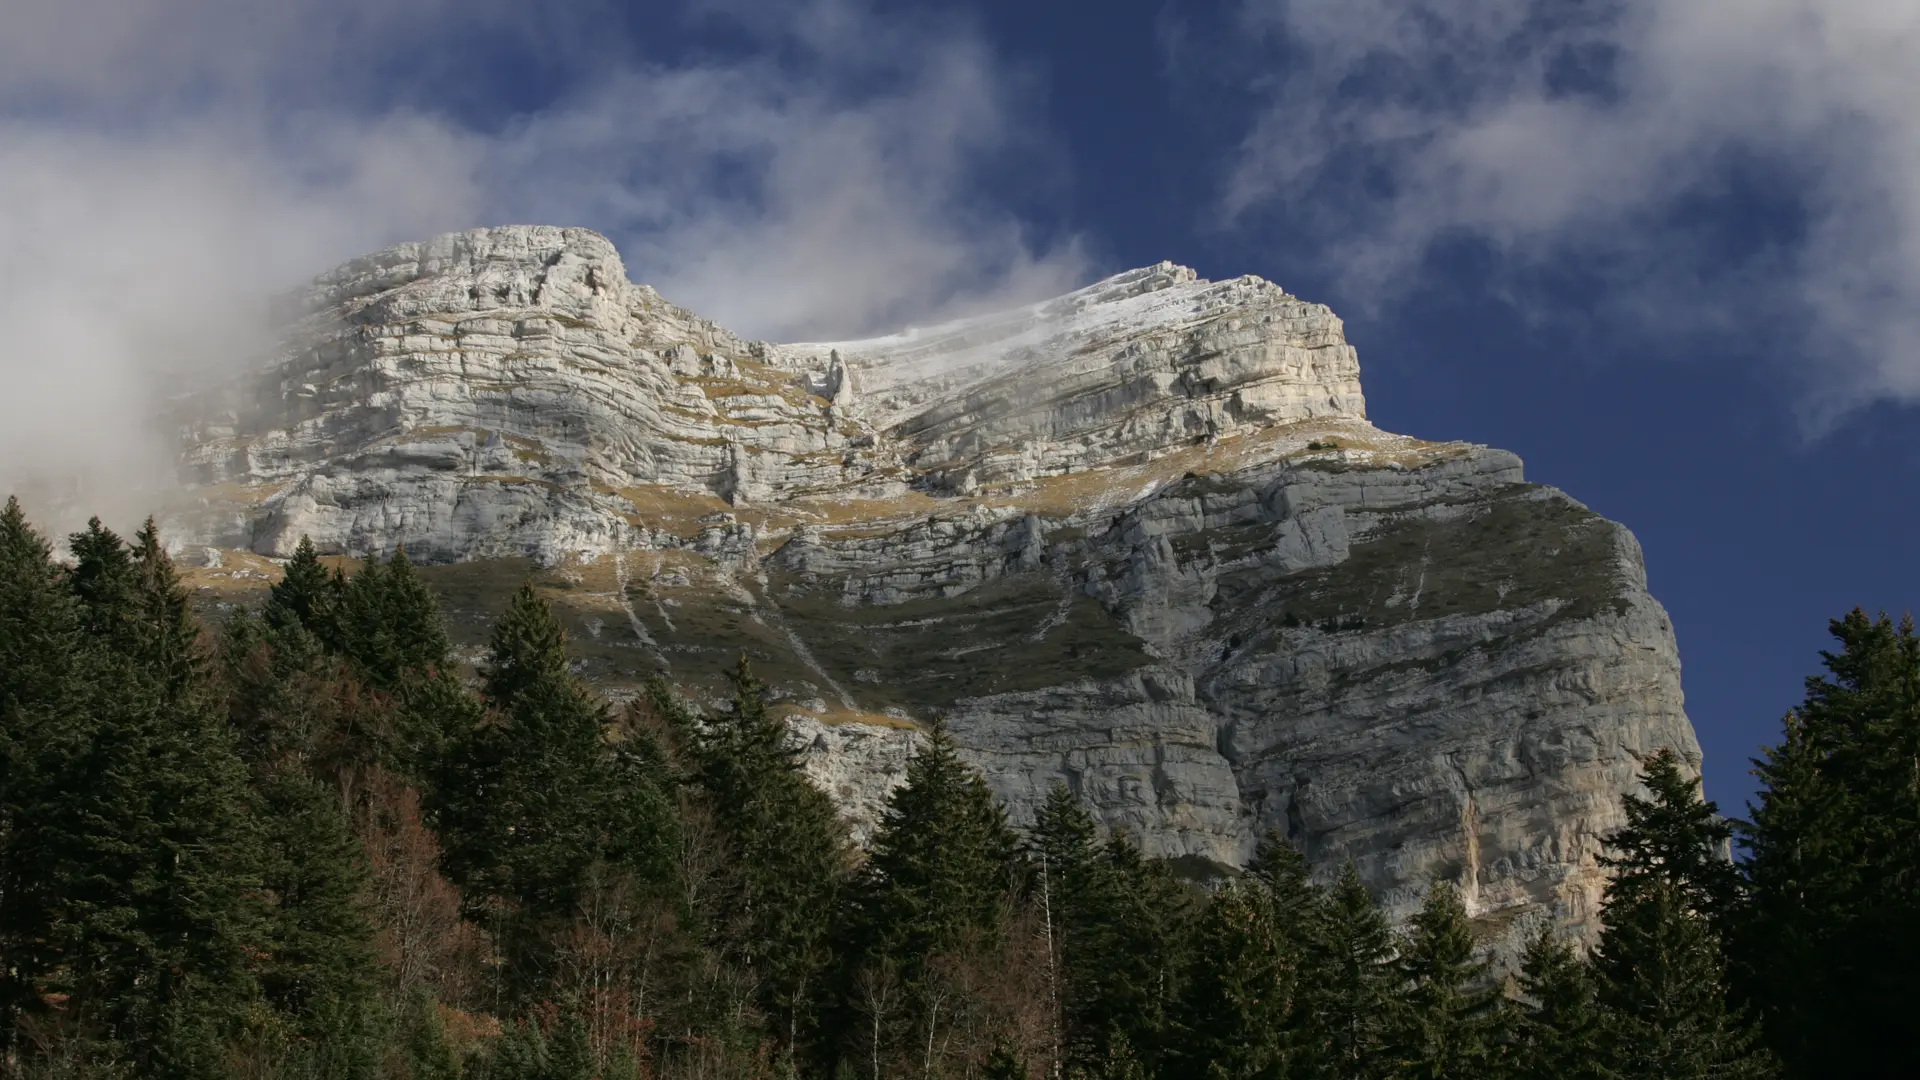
1140, 539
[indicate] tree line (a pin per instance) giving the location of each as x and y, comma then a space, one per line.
305, 843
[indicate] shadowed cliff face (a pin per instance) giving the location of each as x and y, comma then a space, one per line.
1139, 539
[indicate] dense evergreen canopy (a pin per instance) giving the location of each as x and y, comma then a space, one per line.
308, 842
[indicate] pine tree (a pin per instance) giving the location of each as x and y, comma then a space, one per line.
390, 623
1240, 995
320, 971
1144, 950
308, 596
1451, 1014
1117, 925
788, 855
938, 882
43, 731
429, 1052
1832, 933
1663, 977
534, 795
1560, 1030
569, 1055
1352, 985
942, 862
154, 913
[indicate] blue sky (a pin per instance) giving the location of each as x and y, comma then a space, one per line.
1669, 254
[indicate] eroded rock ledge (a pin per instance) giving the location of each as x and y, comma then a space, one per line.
1139, 539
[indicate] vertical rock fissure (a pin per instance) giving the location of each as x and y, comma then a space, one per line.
769, 615
626, 601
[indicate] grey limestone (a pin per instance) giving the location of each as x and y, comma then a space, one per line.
1140, 539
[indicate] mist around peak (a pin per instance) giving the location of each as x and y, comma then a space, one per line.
164, 179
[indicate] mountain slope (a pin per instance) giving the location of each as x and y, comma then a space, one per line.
1140, 539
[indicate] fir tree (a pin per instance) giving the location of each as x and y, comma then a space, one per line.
320, 970
1144, 946
307, 596
788, 855
1299, 906
39, 625
938, 881
942, 862
309, 732
102, 580
43, 732
1240, 995
1832, 934
1663, 976
1450, 1016
1673, 841
1560, 1030
532, 796
168, 642
1005, 1065
1120, 1063
1073, 896
290, 701
435, 713
429, 1052
1352, 985
519, 1053
526, 655
390, 623
154, 910
569, 1054
1116, 925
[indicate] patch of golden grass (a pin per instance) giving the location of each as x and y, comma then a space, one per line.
511, 479
851, 513
1065, 494
528, 450
441, 429
239, 573
838, 715
672, 509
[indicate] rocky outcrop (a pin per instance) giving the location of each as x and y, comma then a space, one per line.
1139, 539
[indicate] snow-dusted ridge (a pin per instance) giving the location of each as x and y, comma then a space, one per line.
905, 371
1139, 539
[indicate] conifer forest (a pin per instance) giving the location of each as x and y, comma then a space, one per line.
305, 842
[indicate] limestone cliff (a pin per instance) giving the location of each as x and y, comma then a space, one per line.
1139, 539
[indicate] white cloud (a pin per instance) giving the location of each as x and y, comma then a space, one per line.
1553, 130
137, 264
839, 217
148, 54
162, 173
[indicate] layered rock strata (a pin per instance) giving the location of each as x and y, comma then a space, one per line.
1139, 539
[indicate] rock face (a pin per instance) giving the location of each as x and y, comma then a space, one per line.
1139, 539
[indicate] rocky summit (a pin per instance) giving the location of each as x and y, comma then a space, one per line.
1139, 539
